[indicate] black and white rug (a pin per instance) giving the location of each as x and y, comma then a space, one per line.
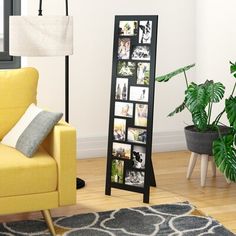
179, 219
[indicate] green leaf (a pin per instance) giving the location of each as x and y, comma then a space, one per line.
199, 118
196, 97
165, 78
233, 68
215, 91
230, 108
178, 109
225, 156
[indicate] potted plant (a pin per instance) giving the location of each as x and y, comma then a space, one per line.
199, 100
224, 148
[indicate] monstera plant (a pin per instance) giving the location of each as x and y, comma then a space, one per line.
224, 148
199, 100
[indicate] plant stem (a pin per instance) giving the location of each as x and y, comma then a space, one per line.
233, 90
218, 118
209, 113
186, 79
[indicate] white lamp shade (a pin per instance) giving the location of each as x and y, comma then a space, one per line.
41, 35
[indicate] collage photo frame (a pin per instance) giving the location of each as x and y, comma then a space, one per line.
129, 164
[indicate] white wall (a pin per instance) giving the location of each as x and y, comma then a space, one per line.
92, 61
216, 42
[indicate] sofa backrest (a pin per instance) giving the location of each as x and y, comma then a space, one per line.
18, 89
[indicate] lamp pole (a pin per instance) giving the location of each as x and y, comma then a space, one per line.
79, 182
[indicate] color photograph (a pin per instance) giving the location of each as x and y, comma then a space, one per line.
141, 53
124, 109
141, 115
128, 28
134, 178
121, 150
125, 68
121, 89
139, 157
117, 171
145, 31
139, 94
143, 73
119, 129
124, 48
137, 135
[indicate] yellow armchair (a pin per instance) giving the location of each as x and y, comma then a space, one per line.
47, 180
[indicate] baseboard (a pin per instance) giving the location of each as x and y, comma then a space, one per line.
162, 142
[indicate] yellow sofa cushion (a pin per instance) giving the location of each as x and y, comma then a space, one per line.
18, 89
20, 175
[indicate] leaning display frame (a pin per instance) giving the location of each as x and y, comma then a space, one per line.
129, 162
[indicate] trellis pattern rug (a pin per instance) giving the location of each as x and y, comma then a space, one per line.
179, 219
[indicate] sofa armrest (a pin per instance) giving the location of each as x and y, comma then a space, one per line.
61, 145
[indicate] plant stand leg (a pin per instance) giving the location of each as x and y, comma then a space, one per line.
191, 165
204, 166
213, 166
228, 181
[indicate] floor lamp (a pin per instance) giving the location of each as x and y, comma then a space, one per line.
35, 36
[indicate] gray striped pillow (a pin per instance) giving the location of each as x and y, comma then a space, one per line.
30, 131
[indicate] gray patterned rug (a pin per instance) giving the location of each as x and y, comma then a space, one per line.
179, 219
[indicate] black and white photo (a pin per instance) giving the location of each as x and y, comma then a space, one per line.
134, 178
139, 157
145, 32
141, 53
121, 89
139, 93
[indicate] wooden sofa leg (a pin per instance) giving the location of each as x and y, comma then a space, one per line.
47, 216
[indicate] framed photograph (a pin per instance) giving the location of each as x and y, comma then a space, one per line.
143, 73
145, 31
119, 130
141, 115
126, 68
124, 48
128, 28
141, 53
117, 171
124, 109
139, 94
134, 178
121, 89
137, 135
138, 157
121, 150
